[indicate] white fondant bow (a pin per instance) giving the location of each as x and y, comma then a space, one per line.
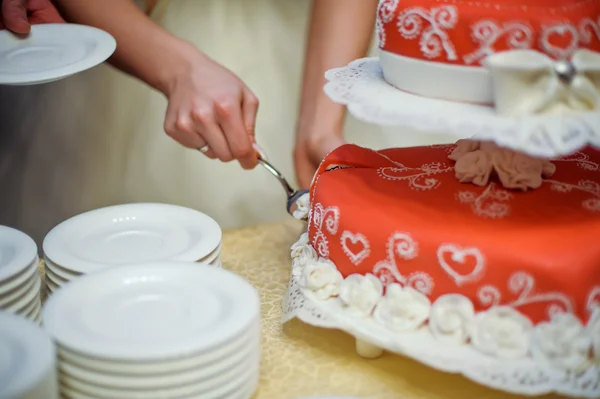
528, 82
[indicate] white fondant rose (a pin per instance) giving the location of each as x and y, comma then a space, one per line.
402, 309
502, 332
360, 294
563, 342
450, 318
302, 207
322, 278
593, 330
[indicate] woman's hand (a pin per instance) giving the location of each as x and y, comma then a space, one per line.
209, 105
19, 15
310, 150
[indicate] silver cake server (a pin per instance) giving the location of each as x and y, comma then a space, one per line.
292, 195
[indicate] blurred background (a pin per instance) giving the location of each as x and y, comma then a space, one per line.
97, 139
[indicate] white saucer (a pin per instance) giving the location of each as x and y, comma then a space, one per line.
251, 337
52, 52
17, 251
151, 311
131, 234
26, 356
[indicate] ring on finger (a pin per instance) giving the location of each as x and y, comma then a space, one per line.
204, 149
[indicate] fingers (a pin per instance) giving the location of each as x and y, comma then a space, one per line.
229, 115
249, 112
14, 16
43, 12
207, 128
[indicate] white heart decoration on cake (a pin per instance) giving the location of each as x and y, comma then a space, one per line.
562, 31
355, 239
460, 256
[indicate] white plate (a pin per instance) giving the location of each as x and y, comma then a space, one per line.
51, 285
26, 355
27, 300
56, 279
19, 292
18, 280
231, 381
132, 233
52, 52
222, 370
17, 250
63, 273
160, 367
151, 311
243, 390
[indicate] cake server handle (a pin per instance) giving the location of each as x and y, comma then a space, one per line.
292, 195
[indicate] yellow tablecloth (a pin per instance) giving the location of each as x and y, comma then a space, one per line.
301, 360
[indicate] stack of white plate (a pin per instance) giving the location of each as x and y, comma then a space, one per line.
163, 330
129, 234
19, 278
27, 360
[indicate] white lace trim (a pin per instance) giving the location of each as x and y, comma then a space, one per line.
369, 97
494, 348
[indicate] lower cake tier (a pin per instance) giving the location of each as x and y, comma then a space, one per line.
398, 229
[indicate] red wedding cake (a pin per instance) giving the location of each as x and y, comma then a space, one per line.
472, 258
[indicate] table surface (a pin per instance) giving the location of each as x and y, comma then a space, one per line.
301, 360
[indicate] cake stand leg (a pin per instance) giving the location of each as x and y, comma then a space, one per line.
367, 350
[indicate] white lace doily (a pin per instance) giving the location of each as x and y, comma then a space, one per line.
524, 377
370, 98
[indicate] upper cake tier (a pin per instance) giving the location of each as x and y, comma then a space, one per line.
436, 48
401, 215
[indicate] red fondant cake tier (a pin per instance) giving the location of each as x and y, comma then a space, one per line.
465, 32
401, 215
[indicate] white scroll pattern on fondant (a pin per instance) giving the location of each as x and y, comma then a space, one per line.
433, 39
355, 246
522, 285
452, 257
588, 29
403, 246
593, 300
487, 33
385, 14
588, 186
324, 220
417, 178
489, 204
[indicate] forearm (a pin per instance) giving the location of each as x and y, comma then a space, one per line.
340, 31
144, 49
